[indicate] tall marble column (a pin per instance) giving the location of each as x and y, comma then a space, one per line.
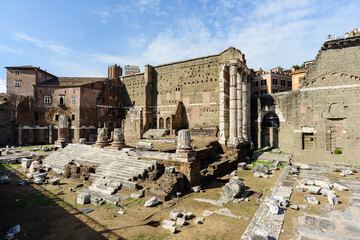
233, 106
239, 107
245, 102
224, 104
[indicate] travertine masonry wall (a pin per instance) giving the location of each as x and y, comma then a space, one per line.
321, 116
194, 82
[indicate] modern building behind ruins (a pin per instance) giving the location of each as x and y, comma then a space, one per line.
274, 81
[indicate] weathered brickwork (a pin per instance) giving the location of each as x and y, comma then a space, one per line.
320, 116
194, 83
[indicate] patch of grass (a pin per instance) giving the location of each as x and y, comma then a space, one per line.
143, 236
9, 166
337, 151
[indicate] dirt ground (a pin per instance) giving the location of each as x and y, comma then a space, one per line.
51, 212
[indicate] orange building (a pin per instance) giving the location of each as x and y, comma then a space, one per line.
274, 81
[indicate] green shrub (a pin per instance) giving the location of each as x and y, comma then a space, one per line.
337, 151
4, 99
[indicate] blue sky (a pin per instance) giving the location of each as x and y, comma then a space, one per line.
83, 37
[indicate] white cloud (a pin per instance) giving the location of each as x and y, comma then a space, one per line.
269, 33
42, 44
2, 85
4, 48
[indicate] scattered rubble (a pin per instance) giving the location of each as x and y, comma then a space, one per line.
311, 199
11, 233
4, 179
199, 220
340, 187
174, 214
151, 202
169, 225
260, 170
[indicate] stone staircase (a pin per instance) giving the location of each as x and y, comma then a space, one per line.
114, 168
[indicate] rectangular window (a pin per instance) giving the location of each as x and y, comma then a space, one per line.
17, 83
56, 117
263, 91
282, 82
282, 90
308, 141
256, 83
263, 82
289, 83
256, 93
47, 99
73, 99
274, 90
73, 117
17, 72
274, 81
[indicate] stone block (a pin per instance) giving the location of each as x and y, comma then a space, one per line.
26, 163
311, 199
83, 198
340, 187
174, 214
180, 222
151, 202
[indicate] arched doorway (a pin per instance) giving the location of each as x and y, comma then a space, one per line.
270, 130
168, 123
161, 123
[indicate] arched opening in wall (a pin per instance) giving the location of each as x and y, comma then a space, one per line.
161, 123
154, 123
168, 123
270, 130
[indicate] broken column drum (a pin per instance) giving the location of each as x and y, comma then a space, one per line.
102, 138
63, 130
184, 140
118, 139
184, 151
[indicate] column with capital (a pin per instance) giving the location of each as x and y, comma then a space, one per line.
233, 140
239, 107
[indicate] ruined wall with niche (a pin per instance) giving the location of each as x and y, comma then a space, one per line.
321, 116
194, 82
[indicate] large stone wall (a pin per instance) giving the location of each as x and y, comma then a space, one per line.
321, 116
193, 82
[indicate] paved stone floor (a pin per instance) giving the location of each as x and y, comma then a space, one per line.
264, 219
333, 224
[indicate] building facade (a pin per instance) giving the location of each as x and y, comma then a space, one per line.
274, 81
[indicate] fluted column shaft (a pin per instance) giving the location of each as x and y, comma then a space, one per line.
245, 103
239, 107
233, 105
